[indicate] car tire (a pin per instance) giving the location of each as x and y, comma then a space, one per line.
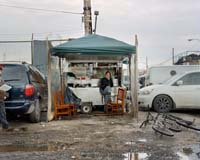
162, 103
86, 108
35, 116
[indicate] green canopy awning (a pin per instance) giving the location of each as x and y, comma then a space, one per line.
93, 45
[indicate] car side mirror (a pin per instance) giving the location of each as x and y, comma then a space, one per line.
179, 83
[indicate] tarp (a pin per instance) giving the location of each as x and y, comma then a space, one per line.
40, 55
95, 45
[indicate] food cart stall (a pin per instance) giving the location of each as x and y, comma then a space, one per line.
84, 77
95, 52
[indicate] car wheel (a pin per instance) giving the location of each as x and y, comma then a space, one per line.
86, 108
162, 103
36, 114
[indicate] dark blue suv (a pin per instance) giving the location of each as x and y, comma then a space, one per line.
28, 94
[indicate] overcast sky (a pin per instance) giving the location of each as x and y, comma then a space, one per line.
160, 24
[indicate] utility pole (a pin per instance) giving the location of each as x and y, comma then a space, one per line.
87, 17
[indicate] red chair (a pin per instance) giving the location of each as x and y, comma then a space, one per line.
61, 109
118, 106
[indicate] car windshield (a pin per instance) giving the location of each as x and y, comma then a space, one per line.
171, 79
13, 73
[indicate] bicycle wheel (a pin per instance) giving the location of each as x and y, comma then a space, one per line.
173, 126
185, 124
144, 123
171, 117
162, 130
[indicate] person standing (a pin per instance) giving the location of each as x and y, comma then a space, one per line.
3, 94
106, 84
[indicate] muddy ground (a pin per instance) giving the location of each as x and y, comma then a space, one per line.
90, 137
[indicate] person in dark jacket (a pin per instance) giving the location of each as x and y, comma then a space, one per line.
106, 84
3, 94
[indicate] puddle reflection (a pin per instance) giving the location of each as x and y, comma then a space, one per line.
142, 140
190, 152
138, 141
28, 148
135, 156
182, 156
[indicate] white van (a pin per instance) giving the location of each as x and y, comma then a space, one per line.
159, 74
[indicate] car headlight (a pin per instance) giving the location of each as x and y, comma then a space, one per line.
146, 92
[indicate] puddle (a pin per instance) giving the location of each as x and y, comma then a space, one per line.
182, 156
29, 148
99, 132
142, 140
138, 141
17, 129
130, 143
189, 152
135, 156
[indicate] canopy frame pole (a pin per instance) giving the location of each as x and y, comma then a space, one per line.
136, 78
133, 72
67, 70
60, 71
131, 79
49, 81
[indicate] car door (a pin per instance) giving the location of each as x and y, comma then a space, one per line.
187, 94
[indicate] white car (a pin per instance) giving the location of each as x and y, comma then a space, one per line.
181, 91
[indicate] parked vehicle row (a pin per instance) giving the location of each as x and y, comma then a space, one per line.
28, 95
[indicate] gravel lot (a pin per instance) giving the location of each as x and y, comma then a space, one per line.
97, 138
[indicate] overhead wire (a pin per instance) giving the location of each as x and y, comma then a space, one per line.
38, 33
53, 33
42, 34
177, 56
41, 9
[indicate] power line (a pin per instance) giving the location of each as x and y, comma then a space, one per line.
182, 54
39, 37
28, 41
35, 33
40, 9
43, 33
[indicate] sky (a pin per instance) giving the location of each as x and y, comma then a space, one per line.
159, 24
